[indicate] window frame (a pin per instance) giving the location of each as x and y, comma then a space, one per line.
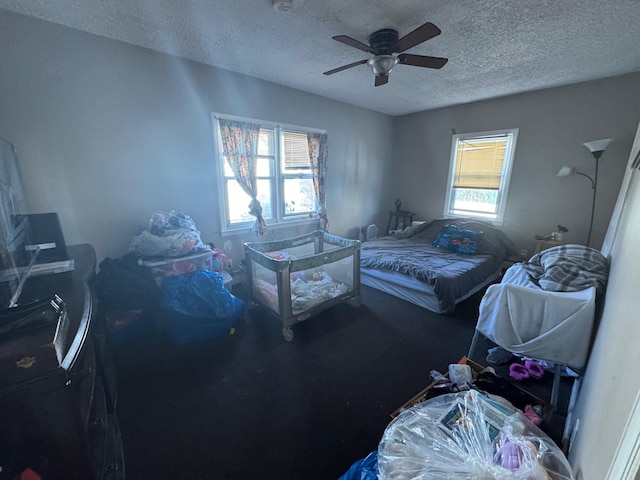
277, 176
505, 178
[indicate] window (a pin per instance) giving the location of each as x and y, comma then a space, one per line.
284, 177
479, 174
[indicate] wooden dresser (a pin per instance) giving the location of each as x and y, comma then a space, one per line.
57, 386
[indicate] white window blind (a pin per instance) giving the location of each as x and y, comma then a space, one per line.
479, 163
296, 151
266, 145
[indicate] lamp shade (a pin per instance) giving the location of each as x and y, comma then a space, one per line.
598, 145
565, 172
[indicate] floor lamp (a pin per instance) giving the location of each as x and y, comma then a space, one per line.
596, 147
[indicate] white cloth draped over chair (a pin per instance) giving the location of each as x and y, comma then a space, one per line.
521, 317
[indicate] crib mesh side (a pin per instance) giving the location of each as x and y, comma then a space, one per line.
293, 276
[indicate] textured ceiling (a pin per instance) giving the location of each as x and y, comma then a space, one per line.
495, 47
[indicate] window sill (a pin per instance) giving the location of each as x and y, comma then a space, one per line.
236, 231
493, 221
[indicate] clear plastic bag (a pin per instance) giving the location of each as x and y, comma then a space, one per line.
470, 436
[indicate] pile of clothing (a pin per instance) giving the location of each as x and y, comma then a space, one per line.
166, 234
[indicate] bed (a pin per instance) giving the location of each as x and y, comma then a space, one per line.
437, 277
298, 277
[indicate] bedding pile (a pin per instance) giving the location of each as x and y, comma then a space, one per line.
304, 293
412, 251
569, 268
307, 293
167, 234
451, 273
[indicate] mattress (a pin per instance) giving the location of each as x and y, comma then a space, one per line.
413, 290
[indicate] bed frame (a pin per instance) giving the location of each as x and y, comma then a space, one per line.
412, 290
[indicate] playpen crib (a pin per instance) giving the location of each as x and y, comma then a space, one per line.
299, 277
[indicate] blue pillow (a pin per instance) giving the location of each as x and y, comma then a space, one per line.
459, 240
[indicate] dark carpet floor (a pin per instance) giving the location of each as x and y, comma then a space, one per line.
252, 406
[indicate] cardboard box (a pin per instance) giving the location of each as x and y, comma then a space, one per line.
428, 392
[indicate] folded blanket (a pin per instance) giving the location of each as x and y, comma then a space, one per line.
568, 268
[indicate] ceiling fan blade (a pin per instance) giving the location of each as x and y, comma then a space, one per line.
381, 79
419, 35
344, 67
352, 42
422, 61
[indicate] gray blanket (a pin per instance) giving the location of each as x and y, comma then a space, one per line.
568, 268
451, 275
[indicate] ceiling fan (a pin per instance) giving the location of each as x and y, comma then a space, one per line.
384, 43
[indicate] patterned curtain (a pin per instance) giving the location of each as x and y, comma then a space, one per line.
318, 155
240, 148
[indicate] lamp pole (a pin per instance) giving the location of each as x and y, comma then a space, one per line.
594, 184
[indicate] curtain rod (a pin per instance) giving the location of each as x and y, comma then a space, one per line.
219, 116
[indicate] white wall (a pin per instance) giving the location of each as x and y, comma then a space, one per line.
553, 125
108, 133
611, 382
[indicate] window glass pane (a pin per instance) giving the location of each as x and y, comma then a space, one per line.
264, 196
299, 196
227, 169
263, 167
238, 201
477, 201
296, 152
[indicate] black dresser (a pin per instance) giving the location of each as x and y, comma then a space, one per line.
57, 385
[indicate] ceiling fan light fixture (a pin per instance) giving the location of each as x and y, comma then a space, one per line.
384, 43
382, 64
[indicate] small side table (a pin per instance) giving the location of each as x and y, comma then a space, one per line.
400, 215
544, 244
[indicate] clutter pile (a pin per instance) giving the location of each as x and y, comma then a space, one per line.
166, 234
468, 375
168, 280
468, 435
465, 435
463, 377
468, 423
